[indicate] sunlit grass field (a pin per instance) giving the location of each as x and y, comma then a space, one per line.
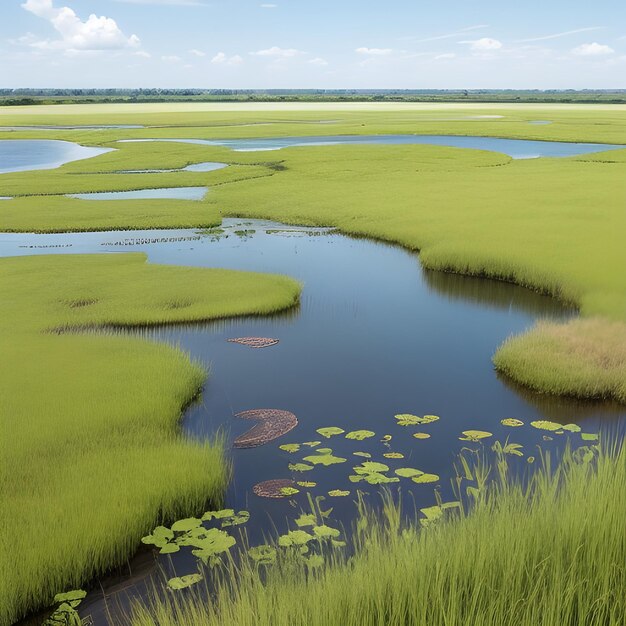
91, 452
550, 552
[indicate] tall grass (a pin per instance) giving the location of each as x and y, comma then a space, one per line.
92, 456
550, 552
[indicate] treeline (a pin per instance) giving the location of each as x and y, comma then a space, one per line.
13, 97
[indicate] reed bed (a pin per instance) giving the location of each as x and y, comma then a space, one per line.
547, 550
92, 456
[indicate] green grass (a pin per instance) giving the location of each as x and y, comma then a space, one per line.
91, 452
552, 552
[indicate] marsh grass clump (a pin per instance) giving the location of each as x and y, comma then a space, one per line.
522, 553
585, 358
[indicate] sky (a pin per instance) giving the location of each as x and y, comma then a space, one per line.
341, 44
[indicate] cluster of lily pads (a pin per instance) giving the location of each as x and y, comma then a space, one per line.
65, 613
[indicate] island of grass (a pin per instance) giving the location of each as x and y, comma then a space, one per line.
91, 450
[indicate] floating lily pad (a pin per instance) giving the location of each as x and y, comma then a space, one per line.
213, 542
425, 478
273, 488
254, 342
324, 457
431, 515
183, 525
263, 555
236, 520
290, 447
336, 493
159, 537
295, 538
511, 421
306, 519
475, 435
169, 548
421, 435
272, 423
221, 514
393, 455
299, 467
325, 532
70, 596
406, 419
311, 444
373, 473
360, 435
366, 455
386, 438
305, 483
330, 431
589, 436
408, 472
546, 425
289, 491
183, 582
572, 428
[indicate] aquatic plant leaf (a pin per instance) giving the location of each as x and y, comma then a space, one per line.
406, 419
408, 472
214, 542
183, 525
366, 455
311, 444
386, 438
336, 493
159, 537
306, 519
431, 514
421, 435
272, 423
360, 435
371, 466
295, 538
475, 435
273, 488
380, 479
572, 428
425, 478
513, 448
306, 483
530, 459
589, 436
290, 447
222, 514
546, 425
330, 431
326, 532
299, 467
337, 544
263, 555
511, 421
393, 455
69, 596
289, 491
182, 582
236, 520
429, 419
324, 457
315, 560
169, 548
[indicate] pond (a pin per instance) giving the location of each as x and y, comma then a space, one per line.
19, 155
358, 350
170, 193
208, 166
515, 148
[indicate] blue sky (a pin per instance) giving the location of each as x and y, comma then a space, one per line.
322, 43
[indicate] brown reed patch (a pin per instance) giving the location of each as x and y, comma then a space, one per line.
254, 342
272, 423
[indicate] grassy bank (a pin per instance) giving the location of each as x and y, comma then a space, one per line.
91, 452
549, 553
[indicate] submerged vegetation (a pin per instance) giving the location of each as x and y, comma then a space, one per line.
92, 455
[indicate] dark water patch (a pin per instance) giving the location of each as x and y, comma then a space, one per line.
515, 148
170, 193
20, 155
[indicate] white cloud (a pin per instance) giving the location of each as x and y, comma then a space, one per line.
485, 44
592, 50
269, 6
96, 33
318, 62
558, 35
197, 53
143, 54
275, 51
222, 58
172, 58
379, 52
446, 55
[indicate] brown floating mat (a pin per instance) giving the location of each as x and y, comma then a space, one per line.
254, 342
272, 423
273, 488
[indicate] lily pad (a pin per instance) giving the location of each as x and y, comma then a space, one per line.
273, 488
311, 444
183, 525
373, 473
70, 596
366, 455
221, 514
475, 435
299, 467
306, 519
295, 538
431, 514
589, 436
306, 483
290, 447
159, 537
272, 423
324, 457
421, 435
572, 428
408, 472
183, 582
263, 555
326, 532
236, 520
360, 435
214, 542
393, 455
289, 491
386, 438
330, 431
406, 419
169, 548
512, 422
546, 425
425, 478
336, 493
